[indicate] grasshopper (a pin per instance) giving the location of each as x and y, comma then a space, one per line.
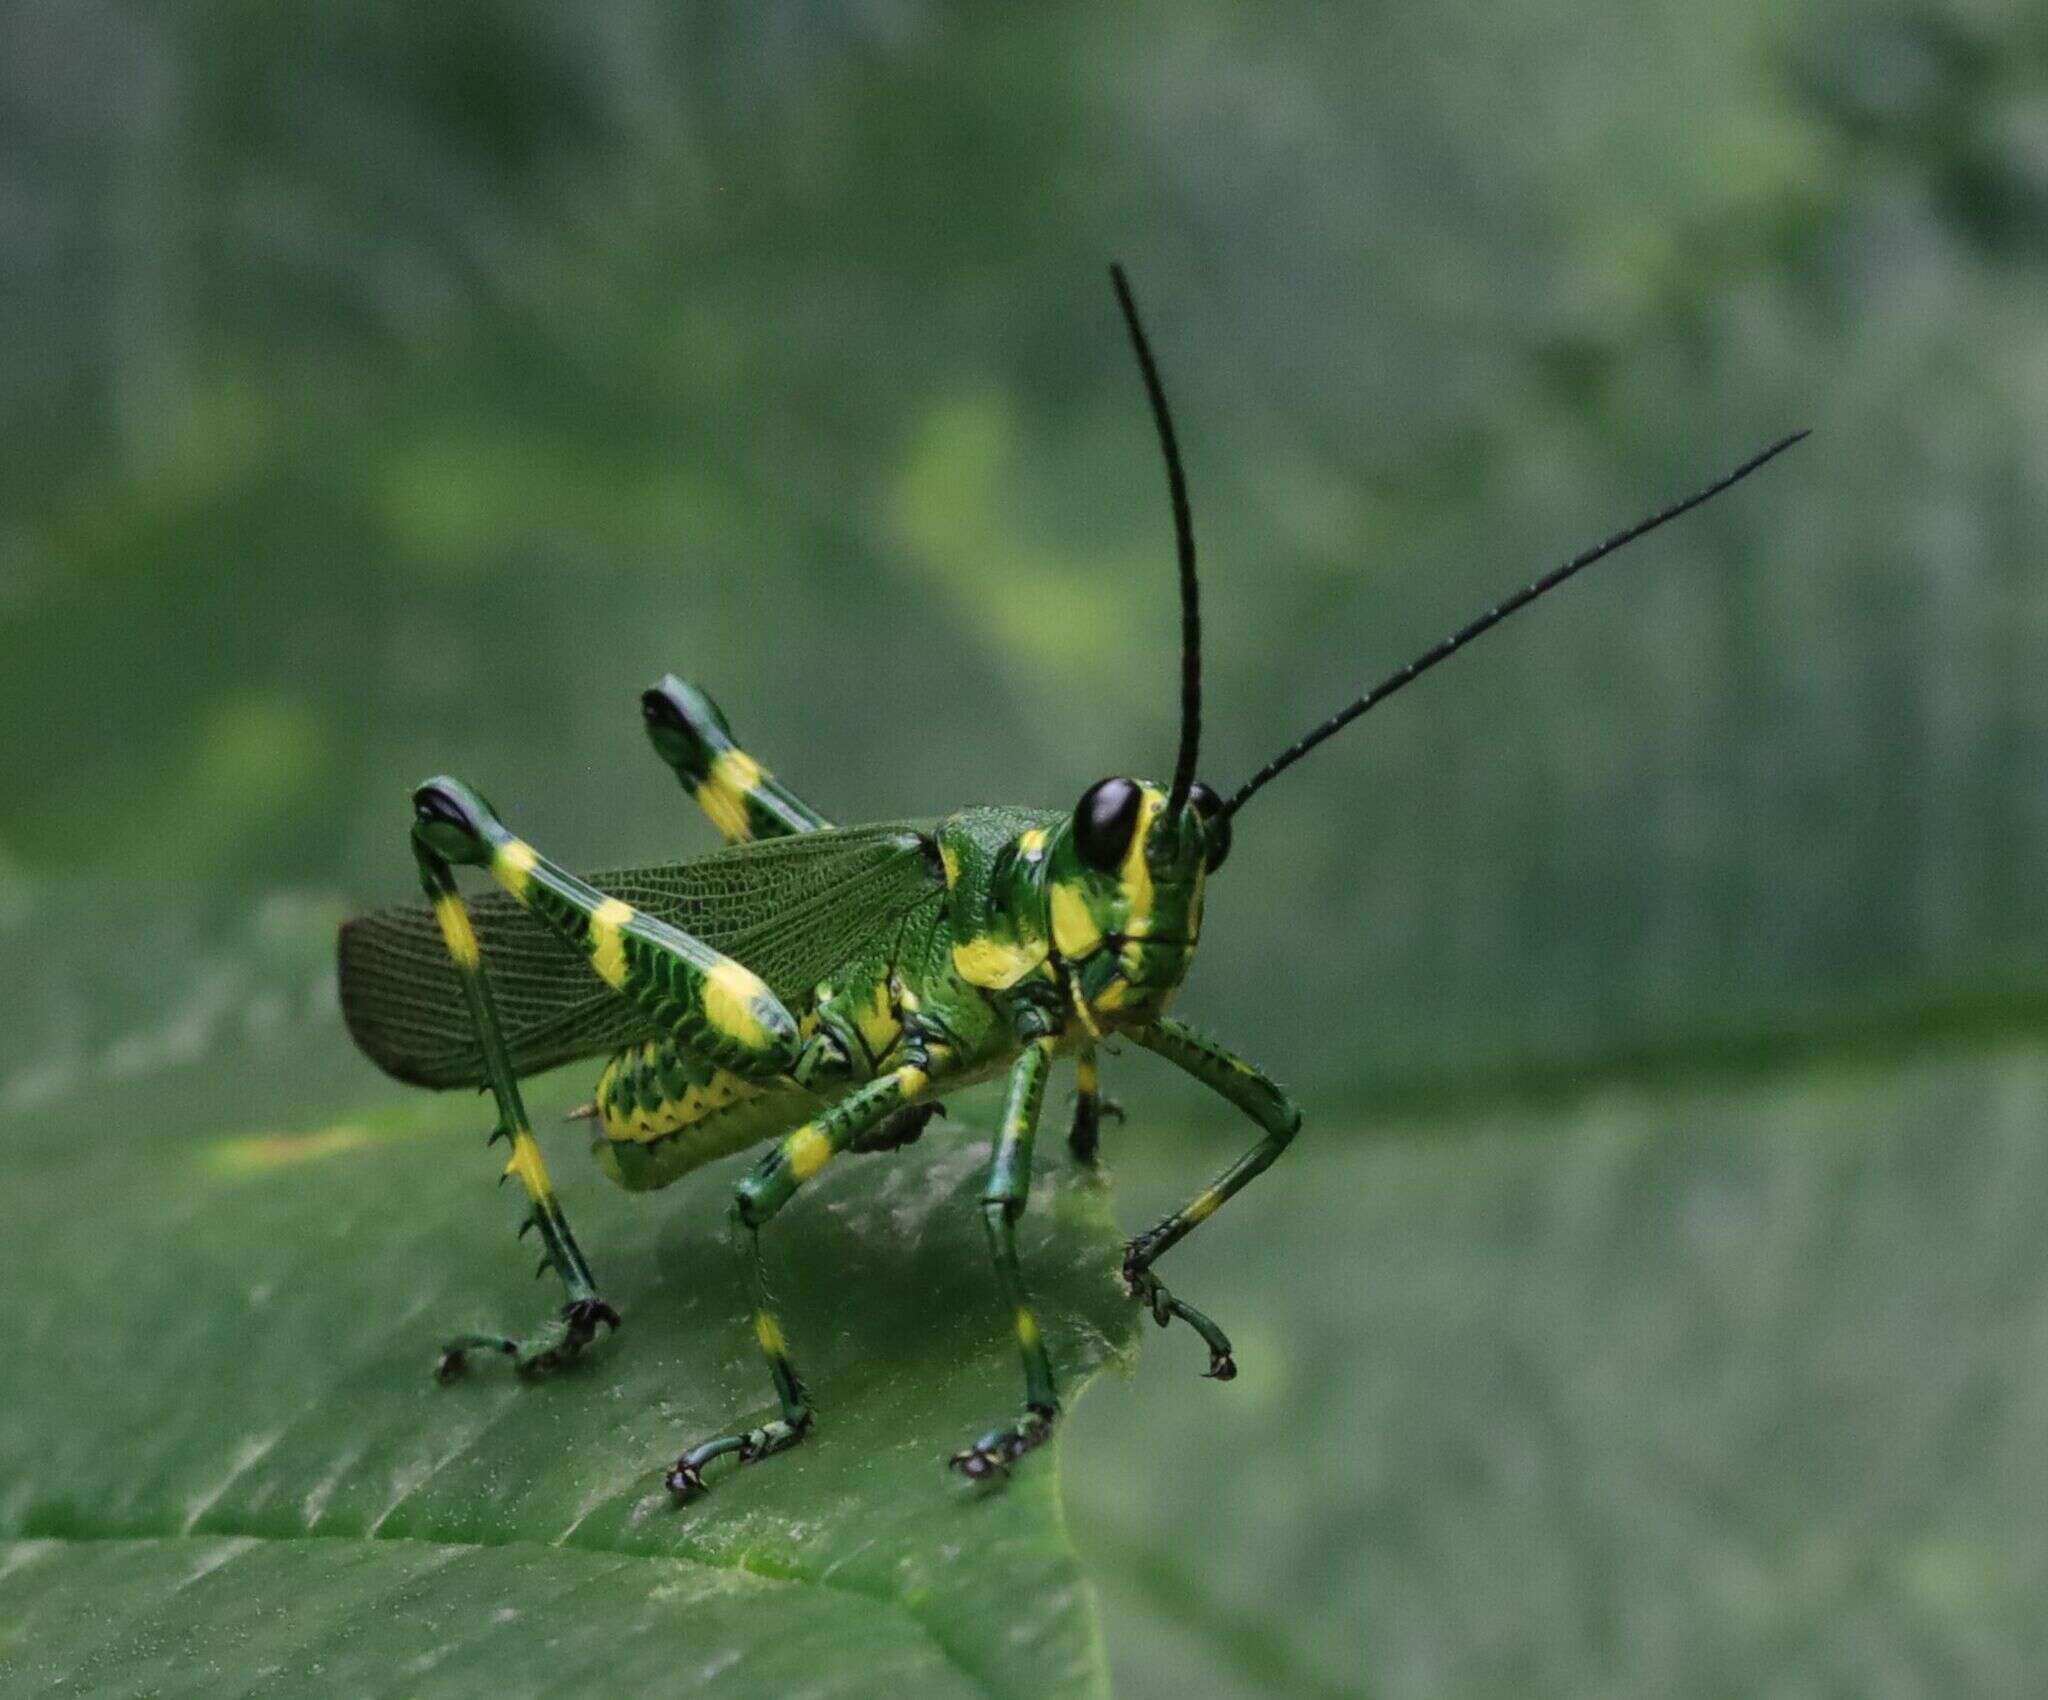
817, 986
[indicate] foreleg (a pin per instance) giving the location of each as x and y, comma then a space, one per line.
1237, 1080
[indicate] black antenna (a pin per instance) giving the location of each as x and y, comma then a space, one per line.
1493, 617
1184, 542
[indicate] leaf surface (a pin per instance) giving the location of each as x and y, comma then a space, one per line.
1698, 1390
225, 1466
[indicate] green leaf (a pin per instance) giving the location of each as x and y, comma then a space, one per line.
225, 1465
1702, 1389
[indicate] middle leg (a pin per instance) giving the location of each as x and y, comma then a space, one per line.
744, 800
772, 1184
1084, 1139
1002, 1202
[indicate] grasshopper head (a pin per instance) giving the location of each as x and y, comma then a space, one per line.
1124, 886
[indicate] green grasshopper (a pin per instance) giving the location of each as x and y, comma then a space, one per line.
817, 986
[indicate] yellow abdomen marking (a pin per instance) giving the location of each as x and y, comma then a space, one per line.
731, 994
608, 941
456, 931
513, 863
806, 1151
1027, 1329
769, 1332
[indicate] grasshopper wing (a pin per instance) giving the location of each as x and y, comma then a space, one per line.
791, 909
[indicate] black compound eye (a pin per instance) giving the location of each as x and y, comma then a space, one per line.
1210, 807
1104, 821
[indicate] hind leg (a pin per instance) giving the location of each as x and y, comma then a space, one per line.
564, 1336
699, 996
744, 800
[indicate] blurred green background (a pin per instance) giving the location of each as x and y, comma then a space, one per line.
1656, 1302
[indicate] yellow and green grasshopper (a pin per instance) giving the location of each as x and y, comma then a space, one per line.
817, 986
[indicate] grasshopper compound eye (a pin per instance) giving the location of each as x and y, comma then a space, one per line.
1104, 821
1215, 822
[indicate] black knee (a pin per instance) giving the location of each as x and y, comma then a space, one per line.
453, 821
688, 730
